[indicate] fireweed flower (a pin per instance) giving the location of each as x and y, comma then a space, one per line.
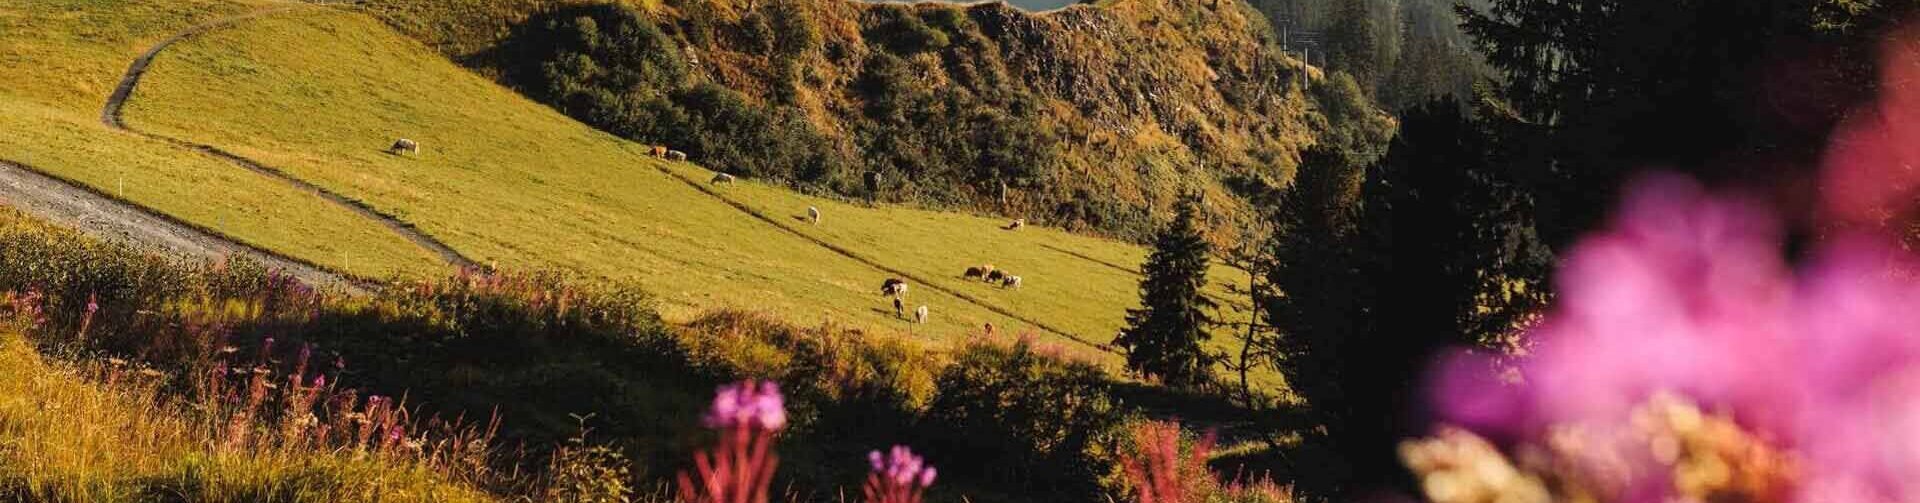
898, 476
739, 469
1688, 294
755, 404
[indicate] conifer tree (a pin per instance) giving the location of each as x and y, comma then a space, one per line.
1163, 337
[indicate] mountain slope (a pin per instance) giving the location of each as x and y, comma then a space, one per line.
1091, 117
320, 93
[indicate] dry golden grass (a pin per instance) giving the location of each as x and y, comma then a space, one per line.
66, 437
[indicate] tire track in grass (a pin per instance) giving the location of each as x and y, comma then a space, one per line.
111, 116
857, 257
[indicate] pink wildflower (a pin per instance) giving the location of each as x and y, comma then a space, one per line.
1688, 293
754, 403
747, 414
898, 476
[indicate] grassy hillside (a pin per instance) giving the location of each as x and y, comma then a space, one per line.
319, 93
1008, 419
64, 59
1092, 117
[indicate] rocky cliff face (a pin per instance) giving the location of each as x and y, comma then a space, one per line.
1094, 117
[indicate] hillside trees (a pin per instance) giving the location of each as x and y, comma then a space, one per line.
1163, 337
1363, 40
611, 67
1380, 268
1402, 52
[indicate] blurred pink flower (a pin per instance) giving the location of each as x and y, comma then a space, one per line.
756, 404
1688, 292
1869, 175
898, 476
740, 467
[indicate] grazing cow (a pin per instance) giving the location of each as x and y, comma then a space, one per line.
975, 273
920, 315
722, 178
1017, 224
893, 287
404, 146
813, 215
1010, 282
675, 155
657, 151
996, 276
899, 308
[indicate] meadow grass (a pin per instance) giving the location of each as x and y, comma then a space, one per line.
69, 437
64, 59
322, 93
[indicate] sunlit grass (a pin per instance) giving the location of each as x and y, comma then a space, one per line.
502, 178
67, 438
65, 57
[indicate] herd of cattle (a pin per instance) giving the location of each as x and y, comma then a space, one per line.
892, 287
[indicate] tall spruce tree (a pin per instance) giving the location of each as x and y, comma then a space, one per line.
1163, 337
1379, 266
1315, 308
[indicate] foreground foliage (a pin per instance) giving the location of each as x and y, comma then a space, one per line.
1012, 418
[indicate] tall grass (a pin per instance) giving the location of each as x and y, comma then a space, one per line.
105, 430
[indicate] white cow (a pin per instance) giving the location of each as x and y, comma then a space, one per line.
813, 214
404, 146
920, 315
722, 178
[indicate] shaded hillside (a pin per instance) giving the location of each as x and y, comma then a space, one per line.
1090, 117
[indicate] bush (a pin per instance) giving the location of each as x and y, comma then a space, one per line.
1014, 417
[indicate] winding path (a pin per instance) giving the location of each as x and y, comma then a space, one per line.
83, 208
111, 116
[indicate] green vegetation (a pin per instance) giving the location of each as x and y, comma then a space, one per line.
532, 352
1163, 338
319, 92
1429, 247
984, 108
1403, 52
67, 57
519, 184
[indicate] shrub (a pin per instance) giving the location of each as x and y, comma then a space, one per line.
1163, 466
1013, 416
